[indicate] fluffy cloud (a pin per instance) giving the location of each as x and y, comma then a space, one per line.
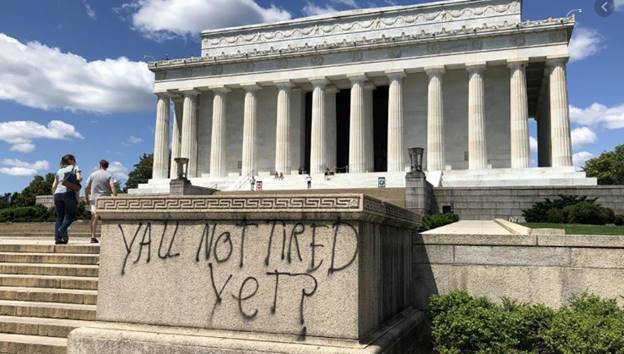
311, 9
39, 76
585, 42
167, 19
533, 144
581, 157
582, 136
119, 171
89, 9
20, 134
134, 140
15, 167
619, 4
599, 115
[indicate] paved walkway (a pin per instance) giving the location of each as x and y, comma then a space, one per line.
470, 227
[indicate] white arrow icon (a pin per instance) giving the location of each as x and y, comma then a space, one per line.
605, 6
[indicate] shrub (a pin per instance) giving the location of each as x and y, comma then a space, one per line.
436, 220
465, 324
24, 214
619, 220
569, 209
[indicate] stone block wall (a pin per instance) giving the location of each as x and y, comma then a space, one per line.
535, 269
504, 202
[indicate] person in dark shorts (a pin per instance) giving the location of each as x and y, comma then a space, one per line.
99, 184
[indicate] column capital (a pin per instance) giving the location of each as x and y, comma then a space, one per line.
251, 87
331, 89
191, 92
357, 78
553, 61
220, 89
319, 82
476, 67
369, 86
395, 74
286, 84
517, 63
433, 71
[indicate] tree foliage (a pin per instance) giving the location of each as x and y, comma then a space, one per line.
40, 185
141, 173
608, 167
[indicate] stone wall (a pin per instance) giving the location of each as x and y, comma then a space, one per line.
536, 269
308, 267
505, 202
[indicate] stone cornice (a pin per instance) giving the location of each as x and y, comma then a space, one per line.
423, 37
255, 207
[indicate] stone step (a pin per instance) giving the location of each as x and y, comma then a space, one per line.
18, 343
71, 296
49, 258
49, 281
50, 248
47, 310
72, 270
44, 235
36, 326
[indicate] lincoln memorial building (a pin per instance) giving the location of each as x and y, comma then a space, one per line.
351, 92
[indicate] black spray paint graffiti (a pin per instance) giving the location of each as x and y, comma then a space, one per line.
216, 246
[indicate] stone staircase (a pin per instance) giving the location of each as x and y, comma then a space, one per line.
45, 290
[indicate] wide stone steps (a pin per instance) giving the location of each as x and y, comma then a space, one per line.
70, 296
77, 270
36, 326
46, 290
54, 258
19, 343
49, 281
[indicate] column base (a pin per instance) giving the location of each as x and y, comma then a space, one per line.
405, 333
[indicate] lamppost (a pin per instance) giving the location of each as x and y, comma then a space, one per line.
182, 167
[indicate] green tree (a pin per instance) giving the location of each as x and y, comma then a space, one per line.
608, 167
39, 185
141, 173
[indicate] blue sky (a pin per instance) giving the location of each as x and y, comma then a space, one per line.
73, 76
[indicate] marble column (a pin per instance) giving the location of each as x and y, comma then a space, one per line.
189, 131
396, 134
161, 139
477, 148
318, 148
176, 136
435, 120
282, 129
520, 150
218, 139
369, 146
249, 131
330, 128
357, 136
561, 147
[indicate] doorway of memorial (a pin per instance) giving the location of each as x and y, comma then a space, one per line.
343, 102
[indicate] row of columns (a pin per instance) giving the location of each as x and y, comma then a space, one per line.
323, 125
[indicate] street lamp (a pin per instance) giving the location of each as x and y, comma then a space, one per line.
580, 11
182, 165
416, 157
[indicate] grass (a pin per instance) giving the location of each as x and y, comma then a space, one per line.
580, 229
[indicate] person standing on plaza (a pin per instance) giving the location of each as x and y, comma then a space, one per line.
99, 184
66, 187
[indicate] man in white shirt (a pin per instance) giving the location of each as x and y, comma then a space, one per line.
99, 184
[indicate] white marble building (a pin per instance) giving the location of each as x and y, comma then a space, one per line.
354, 90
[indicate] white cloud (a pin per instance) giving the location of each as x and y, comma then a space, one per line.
39, 76
599, 115
20, 134
533, 144
118, 170
89, 9
581, 157
619, 4
134, 139
311, 9
15, 167
167, 19
582, 136
585, 42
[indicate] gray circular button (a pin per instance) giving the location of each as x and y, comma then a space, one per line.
604, 8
